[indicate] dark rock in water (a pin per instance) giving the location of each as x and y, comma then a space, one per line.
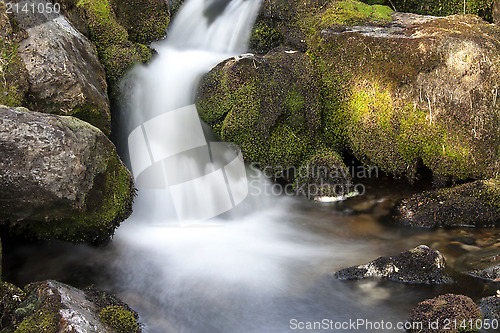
483, 264
440, 314
60, 178
64, 73
51, 306
420, 265
214, 9
475, 204
490, 307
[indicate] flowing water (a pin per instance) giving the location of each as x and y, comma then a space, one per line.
265, 266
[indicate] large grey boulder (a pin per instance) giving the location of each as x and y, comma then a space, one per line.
60, 177
64, 73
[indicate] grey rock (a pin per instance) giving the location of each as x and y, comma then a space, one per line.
60, 177
420, 265
64, 73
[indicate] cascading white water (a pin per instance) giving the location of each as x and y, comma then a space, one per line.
243, 275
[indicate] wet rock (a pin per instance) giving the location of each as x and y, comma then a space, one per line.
64, 73
324, 176
483, 264
267, 105
400, 91
60, 178
419, 265
440, 314
51, 306
475, 204
490, 307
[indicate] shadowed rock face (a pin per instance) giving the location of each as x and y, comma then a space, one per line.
60, 177
64, 73
475, 204
444, 309
420, 265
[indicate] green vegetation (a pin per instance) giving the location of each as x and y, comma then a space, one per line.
43, 321
482, 8
122, 320
11, 87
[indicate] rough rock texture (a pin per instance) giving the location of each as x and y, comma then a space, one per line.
483, 264
490, 307
496, 12
267, 105
64, 73
472, 204
60, 178
446, 309
416, 92
420, 265
51, 306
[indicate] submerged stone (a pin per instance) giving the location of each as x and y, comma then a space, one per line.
483, 264
419, 265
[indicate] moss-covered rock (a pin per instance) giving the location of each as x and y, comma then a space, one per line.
54, 307
324, 175
425, 94
10, 299
267, 105
472, 204
60, 178
438, 315
420, 265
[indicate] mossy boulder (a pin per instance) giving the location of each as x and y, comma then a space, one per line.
439, 315
324, 175
60, 178
420, 265
266, 105
475, 204
10, 299
120, 30
54, 307
418, 92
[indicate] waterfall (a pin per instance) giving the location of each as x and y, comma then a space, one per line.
175, 167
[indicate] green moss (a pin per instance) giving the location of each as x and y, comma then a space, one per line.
11, 91
10, 299
144, 20
116, 52
92, 115
42, 321
482, 8
266, 35
122, 320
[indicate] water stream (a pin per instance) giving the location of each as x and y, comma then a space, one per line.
262, 268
